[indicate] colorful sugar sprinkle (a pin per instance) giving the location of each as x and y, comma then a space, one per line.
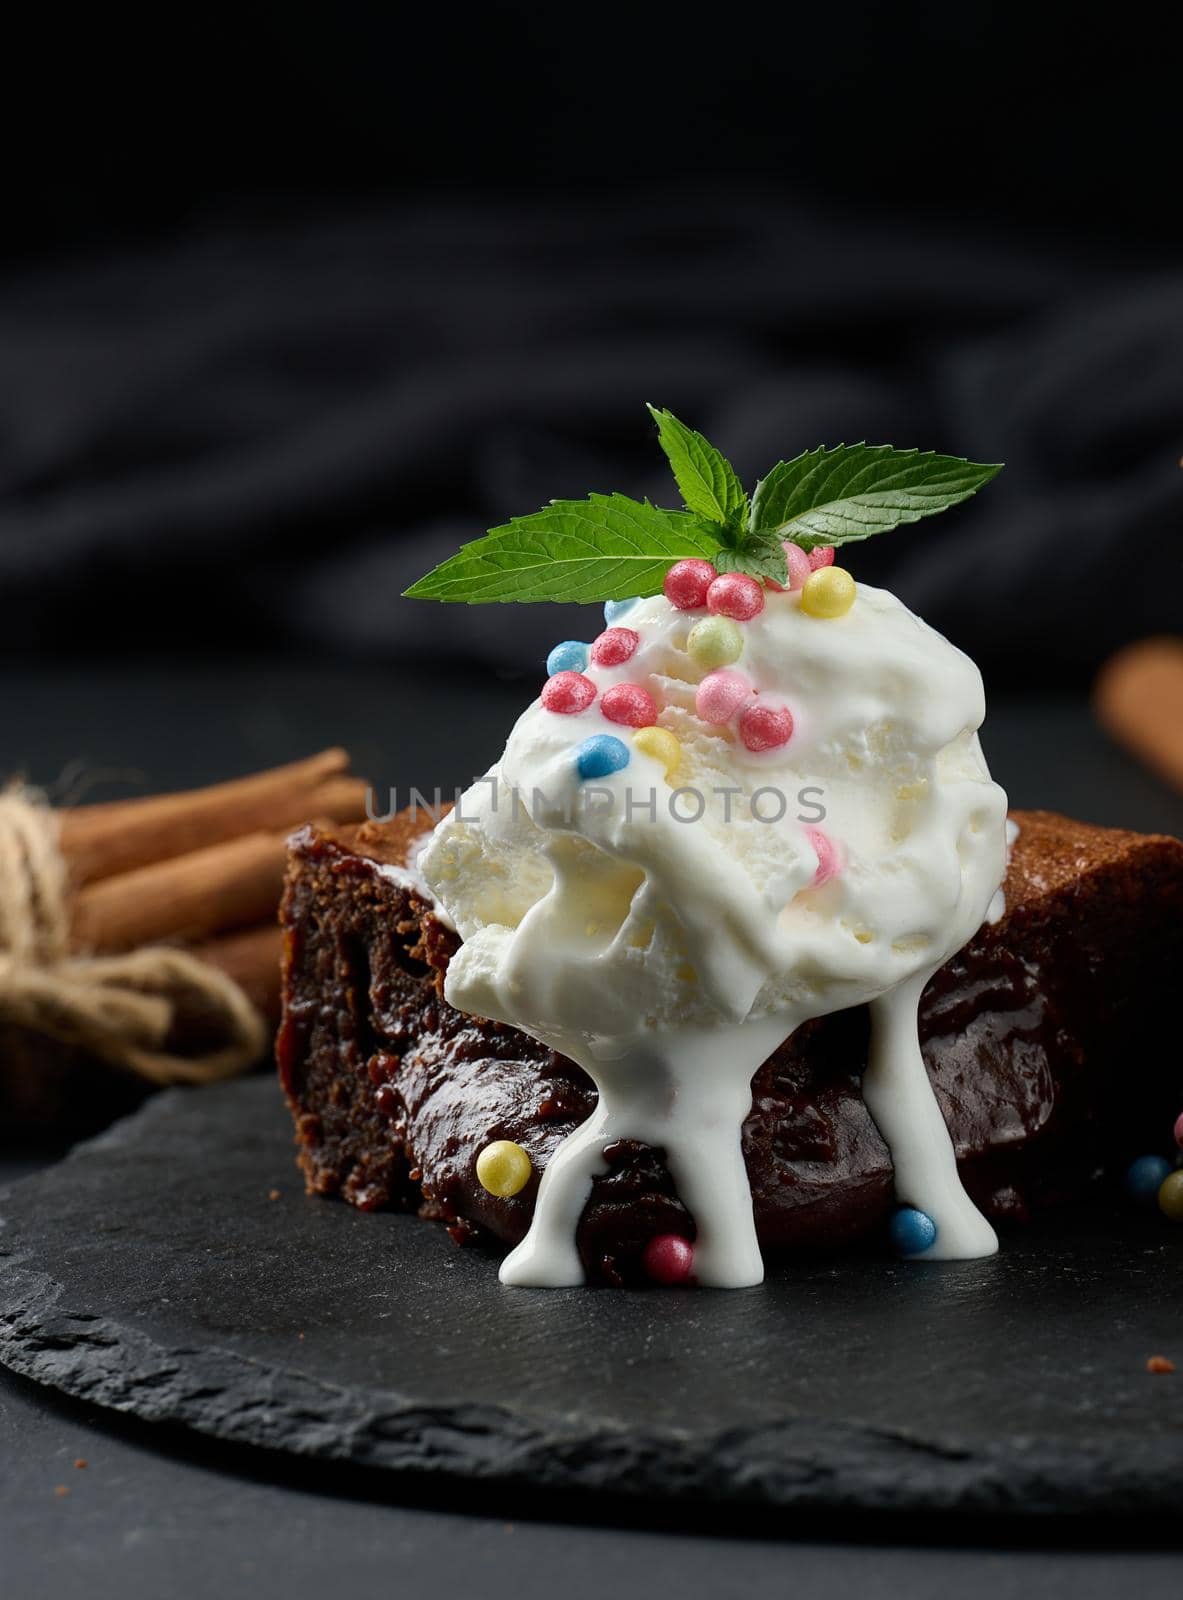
720, 695
829, 856
829, 592
714, 642
600, 756
661, 744
1179, 1130
615, 646
687, 582
821, 556
669, 1259
1170, 1197
1145, 1178
765, 727
735, 595
503, 1168
630, 704
799, 568
568, 693
912, 1232
570, 656
615, 609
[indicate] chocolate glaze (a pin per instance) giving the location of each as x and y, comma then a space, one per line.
1041, 1037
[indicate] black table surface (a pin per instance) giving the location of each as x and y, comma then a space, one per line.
154, 1512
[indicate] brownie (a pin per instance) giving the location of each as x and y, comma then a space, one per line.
1044, 1039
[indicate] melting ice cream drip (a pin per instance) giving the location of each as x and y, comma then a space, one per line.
669, 958
688, 1095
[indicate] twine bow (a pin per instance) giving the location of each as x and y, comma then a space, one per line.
120, 1008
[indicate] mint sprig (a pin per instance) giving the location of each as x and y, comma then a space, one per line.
853, 491
704, 475
609, 547
758, 558
606, 547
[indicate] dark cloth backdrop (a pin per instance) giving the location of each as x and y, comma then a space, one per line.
256, 435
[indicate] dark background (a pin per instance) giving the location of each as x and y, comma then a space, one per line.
298, 297
295, 298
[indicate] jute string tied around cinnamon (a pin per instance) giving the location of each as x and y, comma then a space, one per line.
118, 1008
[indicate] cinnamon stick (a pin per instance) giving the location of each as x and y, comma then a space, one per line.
252, 959
336, 800
120, 836
1139, 700
192, 897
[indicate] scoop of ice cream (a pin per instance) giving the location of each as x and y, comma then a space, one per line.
824, 827
714, 823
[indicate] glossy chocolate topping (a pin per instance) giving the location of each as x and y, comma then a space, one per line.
1042, 1038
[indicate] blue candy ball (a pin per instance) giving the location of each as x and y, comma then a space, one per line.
1144, 1179
570, 656
912, 1232
615, 609
601, 754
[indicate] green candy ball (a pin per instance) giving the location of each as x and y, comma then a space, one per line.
715, 642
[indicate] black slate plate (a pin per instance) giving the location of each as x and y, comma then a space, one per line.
152, 1273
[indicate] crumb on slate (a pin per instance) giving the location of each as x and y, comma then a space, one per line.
81, 1462
1160, 1364
273, 1194
61, 1491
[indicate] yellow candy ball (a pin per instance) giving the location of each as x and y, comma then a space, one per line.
503, 1168
828, 592
661, 744
1170, 1196
715, 642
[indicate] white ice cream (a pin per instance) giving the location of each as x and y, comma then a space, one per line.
669, 942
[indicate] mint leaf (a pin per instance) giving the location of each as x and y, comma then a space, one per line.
759, 558
609, 547
606, 547
848, 492
705, 477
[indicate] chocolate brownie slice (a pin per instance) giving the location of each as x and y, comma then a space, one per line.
1042, 1038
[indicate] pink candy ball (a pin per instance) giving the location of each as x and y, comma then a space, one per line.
799, 569
799, 565
829, 856
765, 727
720, 695
823, 556
568, 693
734, 594
687, 582
615, 646
669, 1258
1179, 1129
630, 704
